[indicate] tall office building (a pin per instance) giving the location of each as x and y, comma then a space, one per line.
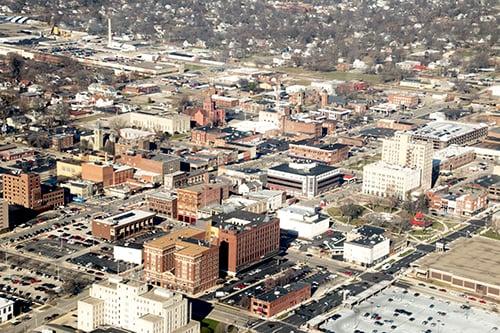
136, 307
403, 151
27, 190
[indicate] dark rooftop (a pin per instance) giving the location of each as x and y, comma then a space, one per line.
316, 170
227, 221
488, 181
279, 292
378, 132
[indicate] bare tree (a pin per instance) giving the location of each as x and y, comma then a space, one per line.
116, 124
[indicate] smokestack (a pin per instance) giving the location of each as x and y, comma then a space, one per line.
110, 36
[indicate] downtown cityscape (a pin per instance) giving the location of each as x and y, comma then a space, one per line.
284, 166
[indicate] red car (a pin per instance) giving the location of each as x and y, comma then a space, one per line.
482, 301
348, 273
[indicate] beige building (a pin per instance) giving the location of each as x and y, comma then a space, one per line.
403, 151
69, 168
133, 306
170, 123
4, 215
386, 180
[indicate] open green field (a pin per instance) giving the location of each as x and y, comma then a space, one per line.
208, 325
491, 234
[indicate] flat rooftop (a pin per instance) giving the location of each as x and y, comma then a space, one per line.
446, 130
476, 258
281, 291
426, 317
126, 217
239, 220
322, 146
188, 241
451, 151
303, 169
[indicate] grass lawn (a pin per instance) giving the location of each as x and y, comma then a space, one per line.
193, 67
406, 253
208, 325
423, 233
179, 136
437, 226
334, 211
355, 222
491, 234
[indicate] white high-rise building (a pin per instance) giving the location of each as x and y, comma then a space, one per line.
135, 306
389, 180
403, 151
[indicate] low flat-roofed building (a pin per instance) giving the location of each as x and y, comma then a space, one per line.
325, 153
304, 222
366, 246
472, 264
16, 154
492, 185
69, 168
444, 133
274, 199
169, 122
81, 188
452, 157
162, 203
280, 299
6, 309
122, 225
303, 179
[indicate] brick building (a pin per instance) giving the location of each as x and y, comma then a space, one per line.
192, 198
162, 203
408, 100
107, 174
206, 136
453, 157
398, 125
326, 153
209, 114
16, 154
26, 190
62, 141
182, 179
461, 204
309, 127
122, 225
358, 141
244, 239
182, 260
160, 164
280, 299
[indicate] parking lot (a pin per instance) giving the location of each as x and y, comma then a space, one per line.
400, 310
27, 288
99, 262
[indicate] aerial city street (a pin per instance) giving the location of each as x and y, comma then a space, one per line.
267, 166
